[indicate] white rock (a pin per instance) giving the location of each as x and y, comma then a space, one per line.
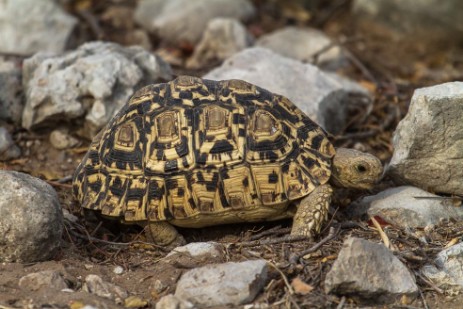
222, 284
170, 301
11, 91
177, 21
95, 80
428, 142
320, 96
369, 271
8, 149
408, 207
96, 285
29, 26
30, 218
118, 270
49, 279
195, 249
447, 270
61, 139
222, 38
304, 44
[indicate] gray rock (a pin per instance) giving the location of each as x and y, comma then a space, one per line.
408, 207
11, 92
196, 249
316, 93
223, 284
170, 301
447, 270
95, 80
304, 44
222, 38
8, 149
177, 21
428, 142
30, 218
410, 16
370, 272
61, 139
95, 285
30, 26
49, 279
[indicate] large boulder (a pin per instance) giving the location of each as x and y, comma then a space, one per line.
428, 142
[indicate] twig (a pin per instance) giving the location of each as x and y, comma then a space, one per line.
425, 304
430, 283
58, 184
283, 239
274, 230
383, 235
288, 286
64, 179
333, 233
341, 303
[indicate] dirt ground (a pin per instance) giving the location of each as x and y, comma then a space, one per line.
89, 247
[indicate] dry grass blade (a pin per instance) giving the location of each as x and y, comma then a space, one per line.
383, 235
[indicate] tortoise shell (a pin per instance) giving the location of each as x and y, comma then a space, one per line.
199, 152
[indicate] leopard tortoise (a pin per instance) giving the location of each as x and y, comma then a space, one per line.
195, 153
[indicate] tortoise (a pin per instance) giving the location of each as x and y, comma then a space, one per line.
194, 152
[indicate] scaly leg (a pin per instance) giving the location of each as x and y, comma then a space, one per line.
312, 212
164, 234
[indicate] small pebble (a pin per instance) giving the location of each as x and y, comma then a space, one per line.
118, 270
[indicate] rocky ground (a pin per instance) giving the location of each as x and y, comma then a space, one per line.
378, 77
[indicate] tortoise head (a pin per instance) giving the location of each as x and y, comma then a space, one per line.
355, 169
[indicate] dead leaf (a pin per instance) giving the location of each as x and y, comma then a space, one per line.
134, 302
300, 287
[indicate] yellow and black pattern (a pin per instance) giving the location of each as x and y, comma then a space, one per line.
200, 152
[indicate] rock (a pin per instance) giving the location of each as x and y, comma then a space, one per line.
95, 80
60, 139
49, 279
304, 44
11, 91
30, 219
223, 284
370, 272
95, 285
428, 142
316, 93
178, 21
222, 38
447, 270
410, 17
30, 26
8, 149
170, 301
196, 249
403, 207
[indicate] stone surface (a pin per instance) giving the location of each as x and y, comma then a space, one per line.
49, 279
222, 284
94, 81
170, 301
179, 21
447, 270
407, 207
30, 219
61, 139
96, 285
8, 149
11, 92
222, 38
30, 26
320, 96
410, 16
370, 272
196, 249
304, 44
428, 142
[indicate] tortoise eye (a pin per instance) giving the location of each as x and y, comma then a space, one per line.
125, 136
361, 168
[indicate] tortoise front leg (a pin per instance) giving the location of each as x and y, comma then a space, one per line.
312, 212
163, 233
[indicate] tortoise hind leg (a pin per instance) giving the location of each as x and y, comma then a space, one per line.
163, 234
312, 212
